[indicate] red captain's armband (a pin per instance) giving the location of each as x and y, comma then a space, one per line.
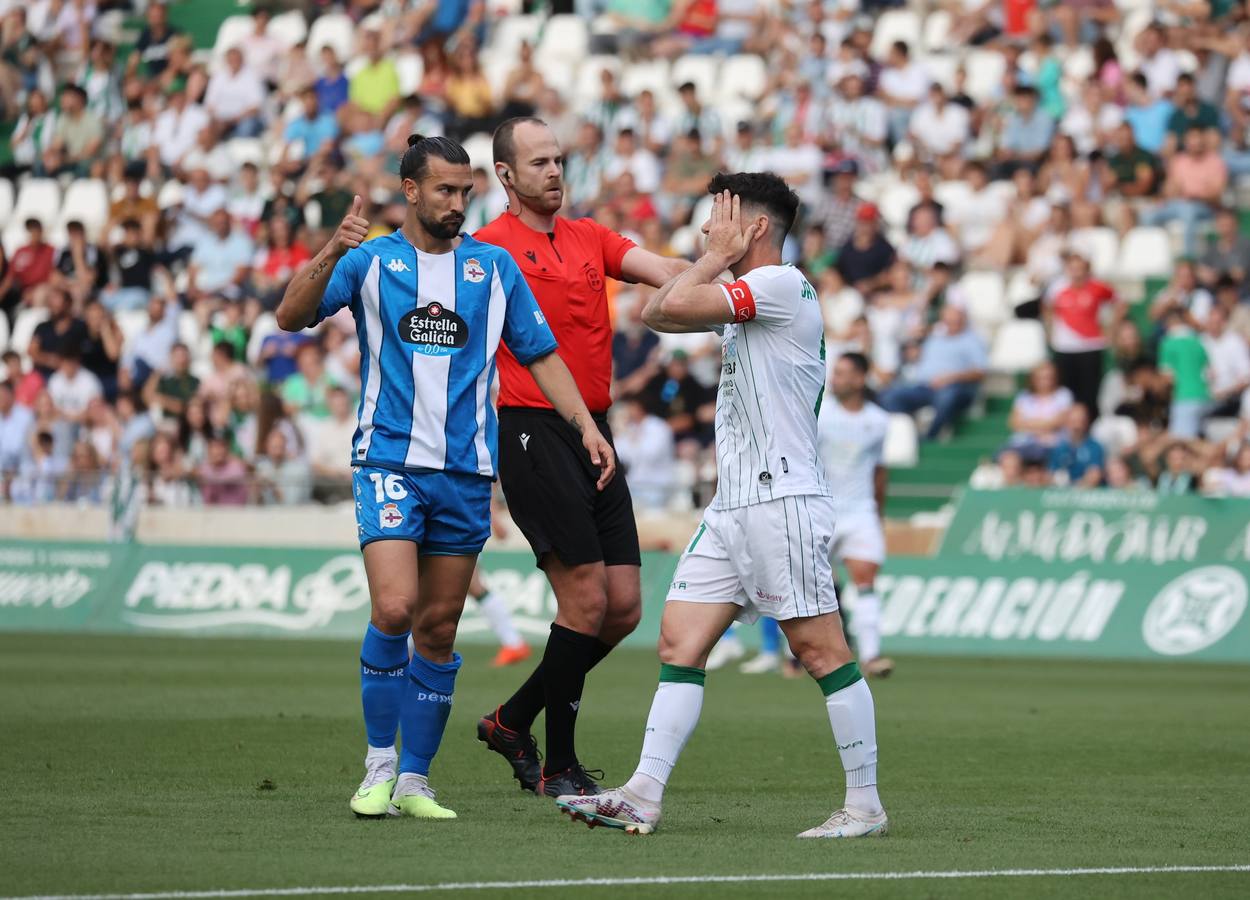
741, 300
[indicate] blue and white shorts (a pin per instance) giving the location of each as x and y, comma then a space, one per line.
446, 513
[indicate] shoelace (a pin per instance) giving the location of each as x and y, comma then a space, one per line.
378, 771
582, 775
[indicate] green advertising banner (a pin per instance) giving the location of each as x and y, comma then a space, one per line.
244, 591
1046, 573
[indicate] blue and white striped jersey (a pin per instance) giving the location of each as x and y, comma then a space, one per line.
429, 325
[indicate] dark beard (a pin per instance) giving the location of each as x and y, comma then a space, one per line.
443, 229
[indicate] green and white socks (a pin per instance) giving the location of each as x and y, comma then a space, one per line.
849, 703
674, 715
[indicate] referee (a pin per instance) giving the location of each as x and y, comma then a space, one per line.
585, 539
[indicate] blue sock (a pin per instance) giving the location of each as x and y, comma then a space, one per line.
770, 636
427, 704
383, 659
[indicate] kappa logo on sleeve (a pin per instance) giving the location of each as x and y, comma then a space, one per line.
398, 265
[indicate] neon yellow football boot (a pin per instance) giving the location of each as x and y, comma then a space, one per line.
372, 799
415, 798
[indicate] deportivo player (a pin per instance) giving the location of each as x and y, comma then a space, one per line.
763, 545
585, 540
431, 306
851, 438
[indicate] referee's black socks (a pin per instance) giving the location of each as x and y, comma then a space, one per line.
566, 661
522, 708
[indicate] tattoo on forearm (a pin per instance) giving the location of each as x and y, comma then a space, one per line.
318, 269
576, 421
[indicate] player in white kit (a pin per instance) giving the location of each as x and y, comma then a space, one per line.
851, 438
763, 546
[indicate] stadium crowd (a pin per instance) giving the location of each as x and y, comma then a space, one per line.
985, 190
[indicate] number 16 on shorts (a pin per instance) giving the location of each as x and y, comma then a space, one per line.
383, 504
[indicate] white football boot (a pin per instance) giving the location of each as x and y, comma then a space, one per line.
851, 823
615, 808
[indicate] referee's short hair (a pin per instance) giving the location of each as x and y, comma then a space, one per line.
415, 161
764, 190
502, 145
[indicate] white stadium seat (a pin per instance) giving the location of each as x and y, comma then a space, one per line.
333, 30
937, 27
1021, 289
842, 309
742, 77
902, 443
986, 298
587, 87
290, 28
895, 25
410, 69
244, 150
1115, 433
480, 151
1100, 245
699, 68
188, 329
952, 195
985, 74
685, 240
231, 33
6, 199
265, 325
565, 38
131, 322
38, 198
170, 194
1019, 345
86, 201
24, 329
652, 75
1144, 253
4, 333
1220, 429
510, 33
896, 202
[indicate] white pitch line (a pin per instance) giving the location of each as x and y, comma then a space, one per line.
632, 882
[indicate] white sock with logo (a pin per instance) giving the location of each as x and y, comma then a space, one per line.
867, 623
411, 783
849, 704
381, 754
500, 619
674, 715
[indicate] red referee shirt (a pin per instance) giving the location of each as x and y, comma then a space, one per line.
565, 270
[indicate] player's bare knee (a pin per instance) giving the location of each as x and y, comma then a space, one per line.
392, 613
680, 650
620, 622
435, 639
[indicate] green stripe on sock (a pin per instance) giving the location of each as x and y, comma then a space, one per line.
681, 674
839, 678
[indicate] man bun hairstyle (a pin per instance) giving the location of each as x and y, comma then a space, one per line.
415, 162
765, 191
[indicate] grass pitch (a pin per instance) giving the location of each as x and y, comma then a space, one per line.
164, 764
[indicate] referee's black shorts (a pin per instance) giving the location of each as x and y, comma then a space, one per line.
549, 483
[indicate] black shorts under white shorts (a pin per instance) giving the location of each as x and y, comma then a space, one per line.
549, 483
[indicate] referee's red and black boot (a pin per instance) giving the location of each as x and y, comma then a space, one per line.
573, 780
520, 750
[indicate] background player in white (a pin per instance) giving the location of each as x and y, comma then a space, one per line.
851, 438
763, 545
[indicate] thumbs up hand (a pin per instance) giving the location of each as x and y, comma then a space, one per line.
352, 230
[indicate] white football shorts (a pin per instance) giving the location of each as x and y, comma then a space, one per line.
859, 536
771, 559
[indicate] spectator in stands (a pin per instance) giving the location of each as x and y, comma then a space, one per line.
641, 163
859, 124
653, 128
695, 116
1039, 413
902, 86
646, 449
1184, 295
26, 384
635, 356
16, 422
1148, 115
102, 347
686, 405
1189, 112
201, 197
32, 134
30, 267
149, 350
169, 390
262, 52
315, 129
583, 169
1129, 170
1228, 357
78, 137
1077, 456
1026, 135
221, 261
1091, 122
688, 170
374, 90
134, 425
133, 206
1230, 480
1183, 362
329, 442
280, 479
304, 393
939, 129
331, 85
222, 477
57, 335
1073, 309
947, 375
153, 46
470, 97
865, 260
1228, 253
277, 353
40, 474
83, 483
1180, 472
277, 263
81, 267
175, 132
210, 154
928, 243
72, 388
1159, 65
133, 271
1196, 178
840, 205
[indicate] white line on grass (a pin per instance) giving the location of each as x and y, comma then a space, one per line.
631, 882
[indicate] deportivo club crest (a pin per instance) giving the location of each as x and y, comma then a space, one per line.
473, 271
